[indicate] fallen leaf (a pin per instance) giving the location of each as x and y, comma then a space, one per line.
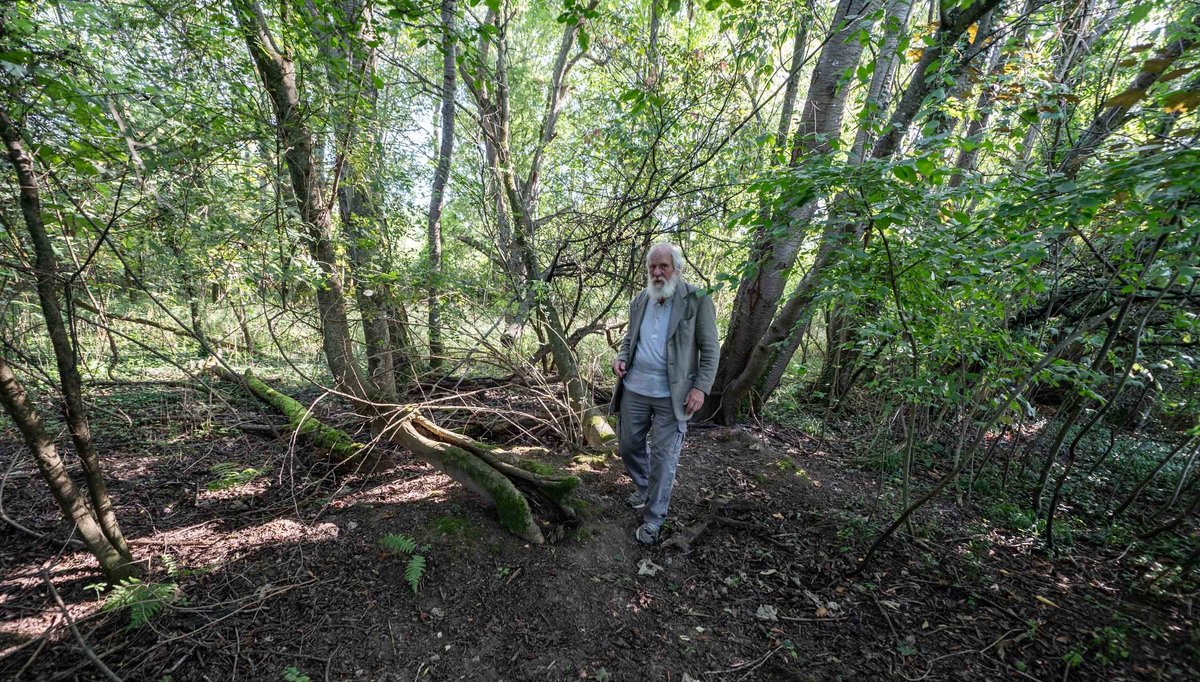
822, 612
648, 567
766, 612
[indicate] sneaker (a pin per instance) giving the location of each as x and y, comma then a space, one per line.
647, 534
637, 499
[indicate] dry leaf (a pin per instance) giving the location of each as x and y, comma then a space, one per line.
766, 612
648, 567
1126, 99
1181, 101
1156, 65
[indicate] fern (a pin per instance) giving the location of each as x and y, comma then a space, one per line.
402, 544
231, 475
144, 600
398, 544
414, 570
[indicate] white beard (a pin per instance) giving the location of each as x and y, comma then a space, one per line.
667, 290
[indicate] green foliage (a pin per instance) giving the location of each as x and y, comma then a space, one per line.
293, 674
414, 569
398, 544
1009, 515
1110, 644
231, 475
145, 600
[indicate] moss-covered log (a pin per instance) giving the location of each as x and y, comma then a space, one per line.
340, 448
514, 485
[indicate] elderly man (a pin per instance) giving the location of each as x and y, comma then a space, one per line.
665, 368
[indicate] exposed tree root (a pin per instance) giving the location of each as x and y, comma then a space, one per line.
514, 485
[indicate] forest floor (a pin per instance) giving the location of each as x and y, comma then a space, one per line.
281, 575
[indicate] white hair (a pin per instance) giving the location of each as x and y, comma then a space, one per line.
676, 255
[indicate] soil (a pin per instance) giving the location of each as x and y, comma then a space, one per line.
283, 576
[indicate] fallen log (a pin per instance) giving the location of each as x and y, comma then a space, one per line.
506, 480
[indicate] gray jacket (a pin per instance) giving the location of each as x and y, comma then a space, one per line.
692, 346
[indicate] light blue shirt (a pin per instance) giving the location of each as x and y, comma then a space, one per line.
648, 375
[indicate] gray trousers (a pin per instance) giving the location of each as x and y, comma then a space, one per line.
651, 464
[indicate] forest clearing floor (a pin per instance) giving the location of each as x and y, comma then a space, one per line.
277, 572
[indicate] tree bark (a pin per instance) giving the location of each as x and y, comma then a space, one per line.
346, 40
774, 255
46, 273
115, 564
441, 175
278, 74
751, 346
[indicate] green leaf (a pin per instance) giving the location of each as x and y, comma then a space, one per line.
905, 173
1139, 12
398, 544
414, 571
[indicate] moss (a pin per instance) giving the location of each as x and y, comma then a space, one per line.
326, 437
511, 506
597, 431
560, 489
536, 467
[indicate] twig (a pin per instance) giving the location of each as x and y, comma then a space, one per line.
747, 667
886, 618
75, 631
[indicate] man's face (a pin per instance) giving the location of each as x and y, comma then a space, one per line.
660, 267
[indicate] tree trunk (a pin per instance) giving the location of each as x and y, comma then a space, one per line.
117, 565
46, 274
478, 467
758, 296
441, 174
953, 25
741, 369
278, 74
522, 202
346, 40
895, 23
997, 64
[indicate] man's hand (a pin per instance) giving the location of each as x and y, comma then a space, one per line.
619, 368
695, 399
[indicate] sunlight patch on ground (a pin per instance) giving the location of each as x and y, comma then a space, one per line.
429, 487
